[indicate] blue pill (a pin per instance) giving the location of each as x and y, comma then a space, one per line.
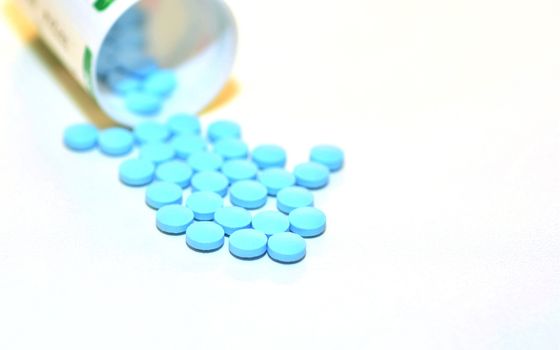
160, 82
175, 171
185, 145
271, 222
157, 152
248, 194
286, 247
275, 179
222, 129
307, 221
136, 172
204, 204
184, 124
205, 160
116, 141
239, 169
210, 180
205, 236
232, 219
311, 175
230, 148
121, 83
159, 194
80, 137
291, 198
330, 156
269, 156
142, 103
150, 131
174, 219
247, 243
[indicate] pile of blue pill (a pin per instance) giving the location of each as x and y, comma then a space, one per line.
174, 157
126, 68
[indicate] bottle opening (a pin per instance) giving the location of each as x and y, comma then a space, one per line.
164, 57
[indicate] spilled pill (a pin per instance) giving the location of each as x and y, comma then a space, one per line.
205, 236
175, 171
248, 194
204, 204
174, 219
159, 194
136, 172
80, 137
293, 197
116, 141
286, 247
247, 243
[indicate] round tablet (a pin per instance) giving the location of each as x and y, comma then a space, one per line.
80, 137
269, 156
212, 181
204, 204
293, 197
271, 222
205, 160
187, 144
311, 175
307, 221
160, 82
232, 219
150, 131
142, 103
239, 169
122, 84
275, 179
161, 193
157, 152
222, 129
248, 194
116, 141
205, 236
230, 148
286, 247
330, 156
184, 124
174, 219
247, 243
136, 172
175, 171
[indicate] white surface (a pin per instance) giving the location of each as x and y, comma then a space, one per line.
444, 227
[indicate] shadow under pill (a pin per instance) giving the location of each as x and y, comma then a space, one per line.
286, 262
264, 269
171, 234
248, 259
204, 251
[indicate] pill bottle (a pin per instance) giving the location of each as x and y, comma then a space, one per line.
194, 39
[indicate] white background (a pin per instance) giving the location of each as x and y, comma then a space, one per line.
444, 226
